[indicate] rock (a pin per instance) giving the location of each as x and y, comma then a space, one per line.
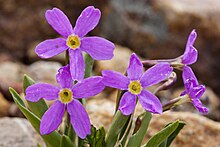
18, 132
4, 105
159, 29
198, 131
11, 75
44, 71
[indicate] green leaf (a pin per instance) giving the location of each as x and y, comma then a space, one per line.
168, 141
89, 65
97, 137
66, 142
117, 124
162, 135
52, 139
137, 138
38, 108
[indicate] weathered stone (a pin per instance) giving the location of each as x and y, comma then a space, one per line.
18, 132
44, 71
11, 75
159, 29
198, 132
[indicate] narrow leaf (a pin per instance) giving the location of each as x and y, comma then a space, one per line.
116, 127
169, 140
89, 65
66, 142
161, 136
52, 139
38, 108
137, 138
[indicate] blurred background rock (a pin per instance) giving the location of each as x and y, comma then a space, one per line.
151, 28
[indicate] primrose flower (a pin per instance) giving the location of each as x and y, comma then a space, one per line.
135, 83
193, 89
74, 40
66, 97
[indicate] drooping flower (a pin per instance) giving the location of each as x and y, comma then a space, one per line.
74, 40
189, 57
192, 89
135, 83
66, 97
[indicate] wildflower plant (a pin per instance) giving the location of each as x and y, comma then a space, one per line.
76, 84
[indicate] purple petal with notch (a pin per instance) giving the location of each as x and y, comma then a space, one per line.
189, 75
98, 48
79, 119
87, 21
135, 68
127, 103
156, 74
88, 87
41, 90
77, 64
150, 102
64, 77
59, 21
115, 80
52, 118
51, 47
198, 105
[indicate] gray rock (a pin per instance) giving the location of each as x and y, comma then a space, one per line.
18, 132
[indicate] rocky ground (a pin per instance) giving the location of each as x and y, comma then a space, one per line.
153, 29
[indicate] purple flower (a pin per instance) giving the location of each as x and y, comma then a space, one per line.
74, 40
135, 83
66, 98
193, 89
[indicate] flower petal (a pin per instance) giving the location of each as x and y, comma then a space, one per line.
59, 21
191, 40
77, 64
198, 104
127, 103
135, 68
190, 57
156, 74
64, 77
52, 118
189, 75
79, 118
41, 90
115, 80
98, 48
87, 21
51, 47
88, 87
150, 102
197, 92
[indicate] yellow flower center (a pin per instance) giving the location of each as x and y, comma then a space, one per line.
65, 95
135, 87
73, 42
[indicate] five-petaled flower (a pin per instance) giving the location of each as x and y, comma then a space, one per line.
135, 83
66, 97
192, 89
74, 40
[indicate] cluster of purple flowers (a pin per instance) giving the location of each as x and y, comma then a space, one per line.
67, 95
